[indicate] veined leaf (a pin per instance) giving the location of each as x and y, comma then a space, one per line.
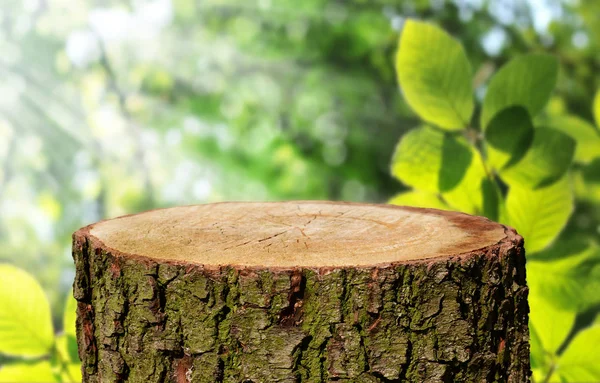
27, 372
539, 215
525, 81
585, 135
508, 137
25, 321
435, 75
431, 160
579, 362
547, 160
418, 199
567, 274
476, 194
550, 325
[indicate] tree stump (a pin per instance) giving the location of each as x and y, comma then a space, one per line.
301, 292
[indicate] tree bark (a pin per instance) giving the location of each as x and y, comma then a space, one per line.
413, 295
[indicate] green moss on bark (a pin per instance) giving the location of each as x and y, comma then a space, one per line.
461, 319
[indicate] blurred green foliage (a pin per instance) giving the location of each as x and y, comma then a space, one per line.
117, 106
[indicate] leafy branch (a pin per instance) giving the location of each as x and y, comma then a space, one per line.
510, 169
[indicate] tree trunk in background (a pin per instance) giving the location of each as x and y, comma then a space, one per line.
301, 292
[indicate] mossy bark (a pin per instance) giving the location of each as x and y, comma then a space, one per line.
454, 319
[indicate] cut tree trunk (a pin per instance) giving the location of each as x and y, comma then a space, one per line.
301, 292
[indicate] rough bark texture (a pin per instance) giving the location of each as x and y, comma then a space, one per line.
453, 319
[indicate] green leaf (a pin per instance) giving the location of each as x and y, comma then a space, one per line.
27, 372
585, 135
551, 326
508, 137
539, 215
72, 374
435, 75
70, 315
567, 274
547, 160
587, 182
537, 373
579, 362
25, 321
430, 160
539, 357
525, 81
418, 199
591, 172
596, 108
66, 343
435, 162
66, 347
476, 193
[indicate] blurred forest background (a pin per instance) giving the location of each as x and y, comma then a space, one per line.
111, 107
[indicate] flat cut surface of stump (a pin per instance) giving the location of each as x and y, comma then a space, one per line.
301, 292
296, 234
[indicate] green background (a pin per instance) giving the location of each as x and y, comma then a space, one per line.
115, 107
